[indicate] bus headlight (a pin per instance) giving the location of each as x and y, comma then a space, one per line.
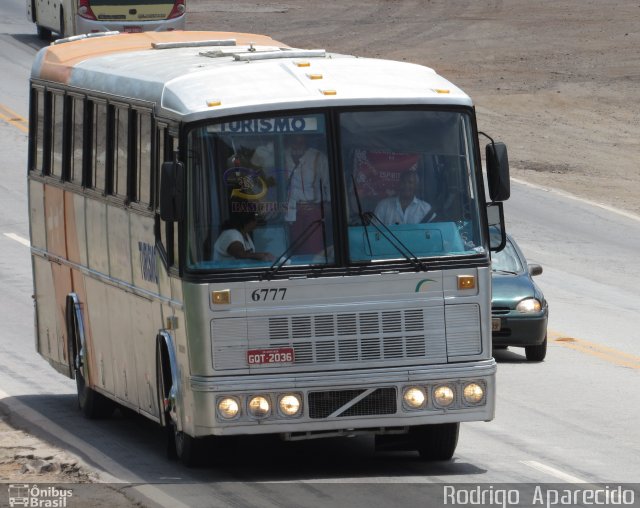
290, 405
414, 397
259, 406
444, 395
473, 393
228, 407
529, 305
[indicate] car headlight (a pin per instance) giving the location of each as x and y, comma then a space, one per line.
444, 395
228, 407
473, 393
529, 305
290, 404
259, 406
414, 397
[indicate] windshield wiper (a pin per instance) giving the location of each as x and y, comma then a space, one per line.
360, 213
289, 251
393, 240
509, 272
365, 219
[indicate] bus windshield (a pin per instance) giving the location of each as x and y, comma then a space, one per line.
261, 190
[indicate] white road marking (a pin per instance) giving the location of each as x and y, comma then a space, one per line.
383, 480
159, 497
568, 195
561, 475
18, 239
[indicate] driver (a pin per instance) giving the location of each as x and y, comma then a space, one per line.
405, 207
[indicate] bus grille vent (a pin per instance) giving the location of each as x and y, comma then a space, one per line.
382, 401
353, 338
359, 337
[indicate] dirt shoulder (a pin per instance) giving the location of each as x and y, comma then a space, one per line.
557, 81
26, 460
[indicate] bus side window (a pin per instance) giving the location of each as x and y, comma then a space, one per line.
166, 232
76, 142
37, 118
121, 151
57, 130
143, 160
99, 146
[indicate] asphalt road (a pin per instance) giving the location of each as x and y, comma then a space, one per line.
570, 419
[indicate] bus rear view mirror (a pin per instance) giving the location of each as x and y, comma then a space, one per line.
171, 191
495, 219
498, 171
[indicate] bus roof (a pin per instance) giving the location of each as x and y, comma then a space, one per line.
195, 75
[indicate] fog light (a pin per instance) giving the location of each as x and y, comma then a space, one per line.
444, 395
228, 407
290, 405
473, 393
259, 407
415, 397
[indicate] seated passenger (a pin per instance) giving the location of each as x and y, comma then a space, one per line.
235, 240
405, 207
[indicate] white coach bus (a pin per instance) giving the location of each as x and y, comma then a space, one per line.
231, 236
74, 17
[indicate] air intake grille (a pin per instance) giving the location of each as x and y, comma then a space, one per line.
393, 336
355, 337
380, 402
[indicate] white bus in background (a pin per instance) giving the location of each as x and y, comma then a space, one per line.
332, 319
74, 17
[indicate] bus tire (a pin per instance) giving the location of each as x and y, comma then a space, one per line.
536, 353
44, 34
187, 448
436, 442
92, 404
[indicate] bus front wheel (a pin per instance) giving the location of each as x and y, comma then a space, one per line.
184, 447
436, 442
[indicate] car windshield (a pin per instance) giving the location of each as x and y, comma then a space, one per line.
507, 260
260, 190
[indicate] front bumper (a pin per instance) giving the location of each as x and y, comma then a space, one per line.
520, 329
340, 402
86, 26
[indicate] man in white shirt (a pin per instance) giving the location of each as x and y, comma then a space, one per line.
308, 172
405, 207
309, 186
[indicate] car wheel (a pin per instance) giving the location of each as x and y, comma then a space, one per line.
436, 442
536, 353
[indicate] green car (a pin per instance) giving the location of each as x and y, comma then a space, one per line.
518, 307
